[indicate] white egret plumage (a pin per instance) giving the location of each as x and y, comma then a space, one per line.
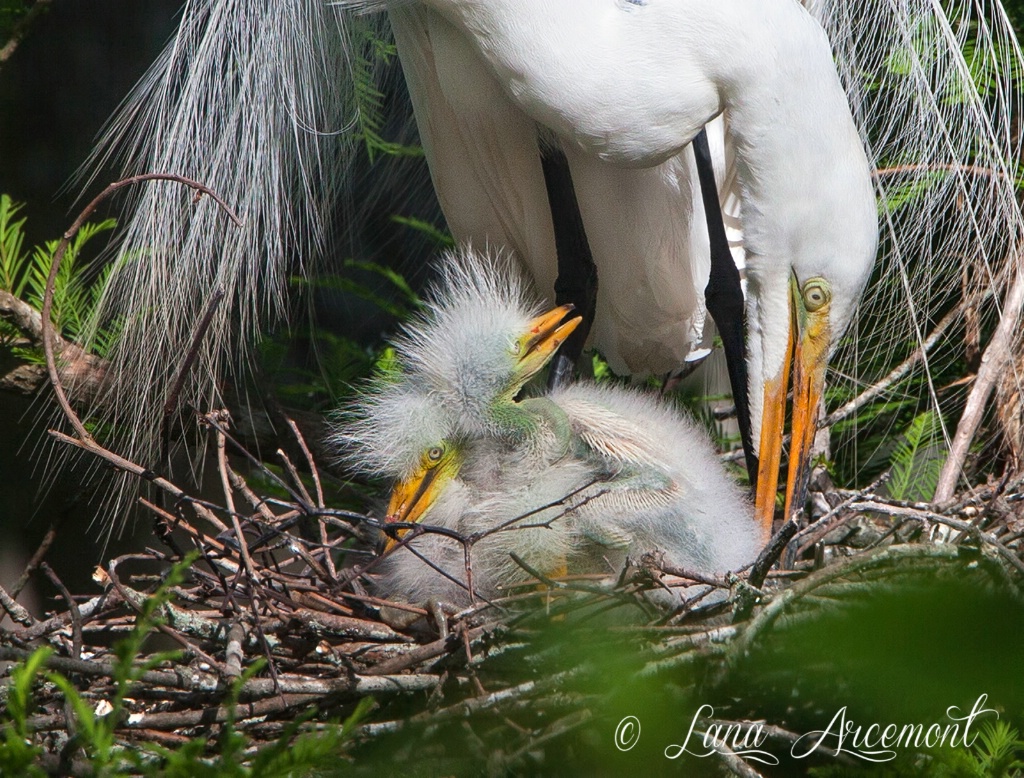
664, 490
577, 479
489, 499
621, 86
645, 79
644, 224
402, 429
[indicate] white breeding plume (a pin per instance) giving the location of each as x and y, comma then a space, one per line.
257, 100
254, 99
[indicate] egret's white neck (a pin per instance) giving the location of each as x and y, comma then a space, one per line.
633, 82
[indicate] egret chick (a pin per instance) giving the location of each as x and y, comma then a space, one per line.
627, 476
664, 487
473, 486
482, 337
661, 486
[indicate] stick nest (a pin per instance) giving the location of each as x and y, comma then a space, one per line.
291, 594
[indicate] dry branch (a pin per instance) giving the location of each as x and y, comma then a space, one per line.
998, 352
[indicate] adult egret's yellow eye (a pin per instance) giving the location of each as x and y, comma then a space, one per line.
817, 293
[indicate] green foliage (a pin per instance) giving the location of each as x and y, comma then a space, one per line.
917, 459
97, 732
601, 370
897, 195
341, 361
441, 238
75, 294
387, 366
999, 750
12, 257
369, 99
407, 301
17, 752
986, 74
77, 288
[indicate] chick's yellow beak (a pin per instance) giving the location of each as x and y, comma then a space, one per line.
543, 336
807, 352
412, 498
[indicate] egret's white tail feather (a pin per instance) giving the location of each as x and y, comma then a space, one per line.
936, 91
256, 99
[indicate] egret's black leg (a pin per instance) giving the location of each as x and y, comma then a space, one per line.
724, 298
577, 274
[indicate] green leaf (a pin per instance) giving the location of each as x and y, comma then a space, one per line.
440, 237
13, 260
369, 56
998, 749
917, 459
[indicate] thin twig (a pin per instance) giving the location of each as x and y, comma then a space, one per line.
313, 469
50, 339
15, 610
76, 614
949, 521
21, 29
37, 558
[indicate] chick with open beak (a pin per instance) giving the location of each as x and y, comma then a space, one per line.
580, 478
454, 479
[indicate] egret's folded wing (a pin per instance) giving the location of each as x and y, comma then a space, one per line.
647, 230
482, 150
645, 227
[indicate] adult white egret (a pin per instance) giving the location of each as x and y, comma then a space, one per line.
645, 79
249, 99
591, 473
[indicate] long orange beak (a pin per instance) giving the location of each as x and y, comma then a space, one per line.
807, 351
543, 336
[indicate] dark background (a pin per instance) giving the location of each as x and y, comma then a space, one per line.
63, 82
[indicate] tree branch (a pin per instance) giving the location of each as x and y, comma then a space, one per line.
21, 29
997, 354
